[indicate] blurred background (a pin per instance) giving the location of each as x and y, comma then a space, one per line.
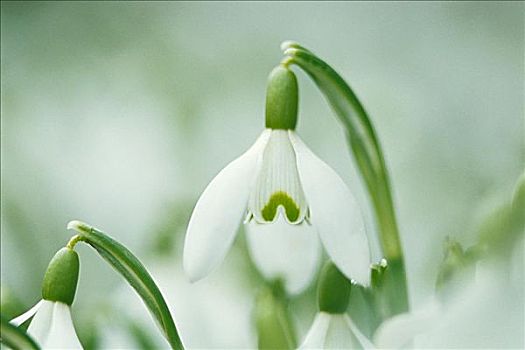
119, 114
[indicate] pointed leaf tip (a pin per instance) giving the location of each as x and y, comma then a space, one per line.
78, 226
290, 44
287, 44
135, 273
291, 51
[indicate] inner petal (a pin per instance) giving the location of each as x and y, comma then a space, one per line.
277, 190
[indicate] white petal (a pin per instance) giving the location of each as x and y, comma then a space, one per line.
284, 250
364, 342
339, 334
62, 334
335, 331
316, 336
41, 323
335, 214
218, 213
17, 321
399, 331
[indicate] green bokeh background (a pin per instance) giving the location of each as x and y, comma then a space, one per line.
119, 114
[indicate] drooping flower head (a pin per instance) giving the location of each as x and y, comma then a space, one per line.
287, 198
333, 328
52, 326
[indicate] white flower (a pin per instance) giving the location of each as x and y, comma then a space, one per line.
486, 312
52, 326
335, 331
288, 198
401, 331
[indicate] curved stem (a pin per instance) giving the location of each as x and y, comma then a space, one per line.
368, 154
135, 273
73, 241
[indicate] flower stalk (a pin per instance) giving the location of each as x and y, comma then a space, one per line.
127, 264
275, 329
369, 156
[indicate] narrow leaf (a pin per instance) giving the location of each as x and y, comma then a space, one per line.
366, 150
135, 273
14, 337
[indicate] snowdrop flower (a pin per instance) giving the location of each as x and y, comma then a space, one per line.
484, 311
335, 331
288, 198
52, 326
332, 327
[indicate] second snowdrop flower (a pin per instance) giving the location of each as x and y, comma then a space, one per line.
332, 327
288, 199
52, 326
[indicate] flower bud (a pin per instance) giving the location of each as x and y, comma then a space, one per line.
334, 290
61, 278
281, 99
454, 269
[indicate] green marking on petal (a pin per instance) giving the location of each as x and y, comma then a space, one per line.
277, 199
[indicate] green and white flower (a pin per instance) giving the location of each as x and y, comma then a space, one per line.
335, 331
332, 327
52, 326
288, 199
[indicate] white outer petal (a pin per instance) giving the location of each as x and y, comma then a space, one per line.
62, 334
17, 321
335, 214
335, 331
399, 331
316, 336
218, 213
340, 335
41, 323
364, 342
280, 249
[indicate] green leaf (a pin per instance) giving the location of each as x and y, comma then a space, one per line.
15, 338
9, 302
135, 274
366, 150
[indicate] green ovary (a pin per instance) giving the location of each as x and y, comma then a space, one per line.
277, 199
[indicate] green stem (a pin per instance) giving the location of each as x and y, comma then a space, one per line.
274, 324
368, 154
73, 241
135, 273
